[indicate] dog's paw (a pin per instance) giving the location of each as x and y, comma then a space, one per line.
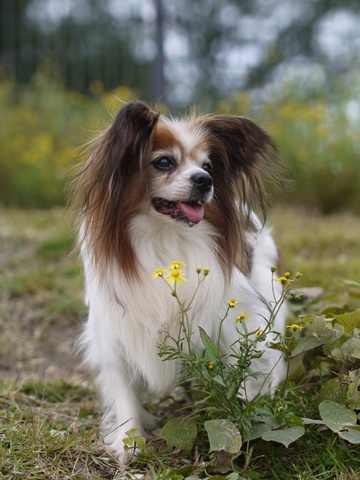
122, 454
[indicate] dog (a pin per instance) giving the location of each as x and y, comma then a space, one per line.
153, 191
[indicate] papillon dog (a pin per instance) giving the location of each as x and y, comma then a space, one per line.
153, 191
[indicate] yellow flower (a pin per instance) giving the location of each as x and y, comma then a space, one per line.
298, 275
206, 271
259, 332
287, 275
210, 365
174, 277
273, 269
232, 303
295, 326
284, 280
198, 270
158, 273
177, 265
242, 316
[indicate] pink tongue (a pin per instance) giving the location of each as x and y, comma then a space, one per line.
194, 213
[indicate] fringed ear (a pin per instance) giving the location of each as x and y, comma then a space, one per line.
120, 152
244, 153
109, 188
241, 153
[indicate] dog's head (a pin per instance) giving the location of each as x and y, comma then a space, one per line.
205, 167
181, 171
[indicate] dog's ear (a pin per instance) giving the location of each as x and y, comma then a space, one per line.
116, 155
110, 186
127, 143
242, 152
247, 145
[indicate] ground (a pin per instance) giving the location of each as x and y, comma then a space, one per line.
41, 306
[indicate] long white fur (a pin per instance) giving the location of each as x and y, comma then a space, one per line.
122, 331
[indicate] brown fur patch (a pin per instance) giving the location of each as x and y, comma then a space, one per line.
112, 186
240, 152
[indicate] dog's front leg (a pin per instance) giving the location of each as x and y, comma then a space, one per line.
124, 410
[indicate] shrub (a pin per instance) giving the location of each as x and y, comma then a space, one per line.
319, 143
43, 130
45, 125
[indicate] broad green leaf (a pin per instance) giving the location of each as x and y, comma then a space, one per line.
334, 391
132, 439
351, 348
296, 367
352, 435
336, 416
211, 349
285, 437
353, 394
183, 472
306, 343
232, 476
257, 430
327, 332
334, 309
223, 435
349, 320
180, 432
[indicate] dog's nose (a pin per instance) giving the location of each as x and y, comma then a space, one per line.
202, 181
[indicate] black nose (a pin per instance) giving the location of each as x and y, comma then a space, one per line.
202, 181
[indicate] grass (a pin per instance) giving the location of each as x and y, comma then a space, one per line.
49, 427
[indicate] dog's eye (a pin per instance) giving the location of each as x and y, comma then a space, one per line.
207, 167
163, 163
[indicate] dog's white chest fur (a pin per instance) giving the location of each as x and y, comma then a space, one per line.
132, 325
127, 320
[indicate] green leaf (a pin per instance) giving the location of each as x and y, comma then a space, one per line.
352, 435
180, 432
351, 348
351, 283
349, 320
232, 476
286, 346
211, 349
219, 380
353, 394
183, 472
132, 439
257, 430
326, 331
223, 435
333, 390
286, 437
306, 343
337, 417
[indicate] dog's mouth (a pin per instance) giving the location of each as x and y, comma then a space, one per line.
192, 212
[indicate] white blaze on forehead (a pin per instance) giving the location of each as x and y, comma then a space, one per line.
191, 138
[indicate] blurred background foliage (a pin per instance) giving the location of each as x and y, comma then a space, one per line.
293, 66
